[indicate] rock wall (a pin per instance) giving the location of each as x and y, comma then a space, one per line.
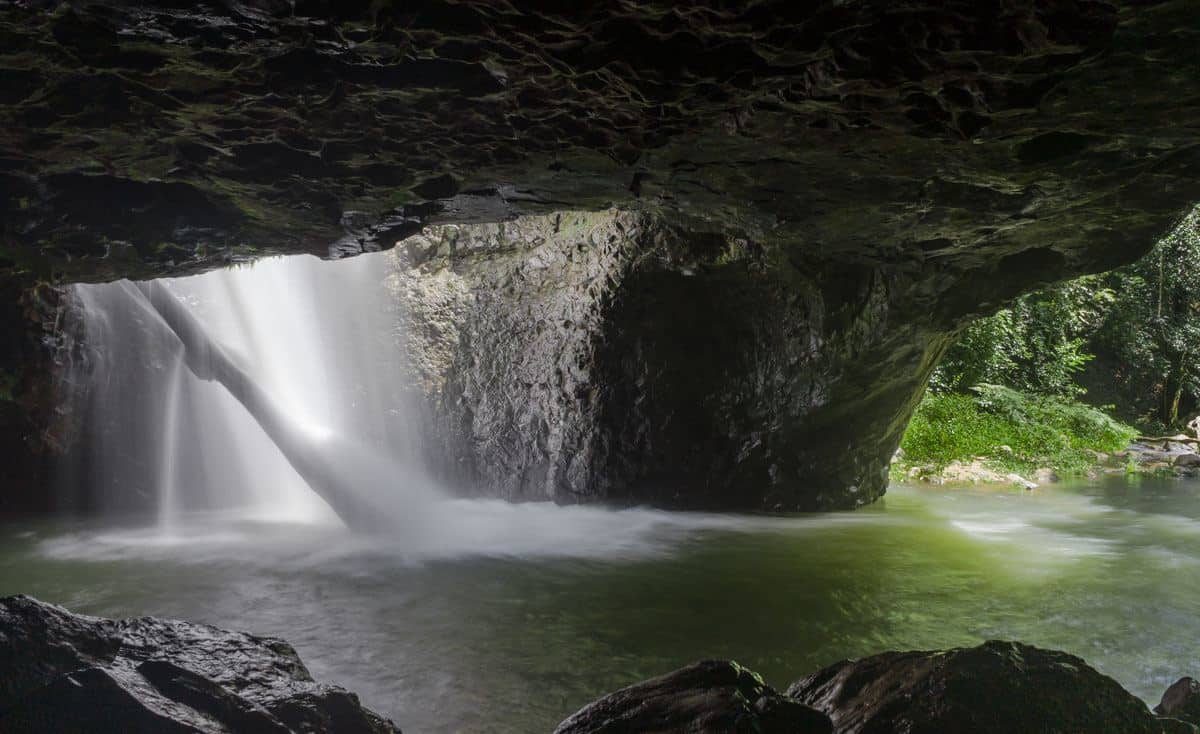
586, 356
504, 323
153, 138
33, 429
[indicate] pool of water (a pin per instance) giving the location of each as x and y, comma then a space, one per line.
509, 618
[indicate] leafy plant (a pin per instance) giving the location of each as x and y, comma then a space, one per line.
1038, 345
1153, 336
1131, 336
1041, 431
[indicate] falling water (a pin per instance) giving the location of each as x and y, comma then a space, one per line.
295, 378
168, 504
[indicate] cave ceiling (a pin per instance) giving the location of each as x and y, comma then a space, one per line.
1005, 137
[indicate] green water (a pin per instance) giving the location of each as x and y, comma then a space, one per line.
512, 618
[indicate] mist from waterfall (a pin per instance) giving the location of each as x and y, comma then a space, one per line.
318, 338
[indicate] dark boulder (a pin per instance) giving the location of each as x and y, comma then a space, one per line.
64, 672
1177, 726
1000, 687
710, 696
1181, 701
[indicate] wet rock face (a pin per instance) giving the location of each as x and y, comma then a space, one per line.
996, 687
709, 697
63, 672
504, 323
607, 356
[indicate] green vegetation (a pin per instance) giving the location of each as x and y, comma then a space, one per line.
1038, 431
1037, 346
1043, 377
1149, 343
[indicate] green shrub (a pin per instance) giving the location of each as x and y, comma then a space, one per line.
1037, 345
1131, 337
1151, 339
1042, 431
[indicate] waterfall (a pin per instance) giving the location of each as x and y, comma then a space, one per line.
168, 478
275, 390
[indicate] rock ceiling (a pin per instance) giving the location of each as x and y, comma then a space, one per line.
1013, 138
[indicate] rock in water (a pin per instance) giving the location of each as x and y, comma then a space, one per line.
1188, 460
64, 672
708, 697
1182, 701
995, 688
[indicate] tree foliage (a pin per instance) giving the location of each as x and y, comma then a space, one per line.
1153, 332
1140, 325
1037, 346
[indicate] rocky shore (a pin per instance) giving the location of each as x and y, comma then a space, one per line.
1178, 455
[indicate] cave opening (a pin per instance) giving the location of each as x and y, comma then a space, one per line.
264, 444
502, 355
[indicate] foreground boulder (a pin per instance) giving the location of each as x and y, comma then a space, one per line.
64, 672
1181, 701
995, 688
712, 696
1000, 687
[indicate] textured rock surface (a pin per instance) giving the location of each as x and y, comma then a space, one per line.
999, 687
709, 697
504, 323
581, 356
1181, 701
1000, 137
62, 672
31, 432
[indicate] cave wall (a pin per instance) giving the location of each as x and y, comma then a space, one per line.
503, 323
740, 381
610, 356
34, 431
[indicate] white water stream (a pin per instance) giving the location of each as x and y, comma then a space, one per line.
319, 343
